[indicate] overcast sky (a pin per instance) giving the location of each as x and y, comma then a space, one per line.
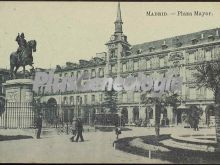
69, 31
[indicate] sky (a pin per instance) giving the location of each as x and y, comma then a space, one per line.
70, 31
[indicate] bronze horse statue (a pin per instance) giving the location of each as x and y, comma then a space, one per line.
26, 58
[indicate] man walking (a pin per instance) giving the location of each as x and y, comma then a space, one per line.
79, 129
73, 129
117, 130
39, 126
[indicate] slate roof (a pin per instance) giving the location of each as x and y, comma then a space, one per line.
172, 41
96, 61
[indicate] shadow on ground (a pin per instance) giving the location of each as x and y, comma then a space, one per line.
175, 155
110, 128
14, 137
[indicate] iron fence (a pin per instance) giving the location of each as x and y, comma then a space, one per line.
17, 115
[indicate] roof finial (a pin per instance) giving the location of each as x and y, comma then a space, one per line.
118, 19
118, 22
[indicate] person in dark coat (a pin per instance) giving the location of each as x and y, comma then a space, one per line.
79, 129
39, 126
117, 130
73, 129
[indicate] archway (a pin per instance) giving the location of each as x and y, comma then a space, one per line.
50, 111
85, 115
149, 113
164, 119
92, 116
210, 115
135, 114
124, 115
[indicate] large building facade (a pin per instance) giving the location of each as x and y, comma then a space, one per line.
180, 54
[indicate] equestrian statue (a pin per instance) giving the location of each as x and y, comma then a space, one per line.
23, 56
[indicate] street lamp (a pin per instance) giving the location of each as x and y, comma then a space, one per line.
119, 114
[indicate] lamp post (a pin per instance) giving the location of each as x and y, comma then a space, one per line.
119, 114
89, 116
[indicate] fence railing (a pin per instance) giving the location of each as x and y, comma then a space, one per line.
17, 115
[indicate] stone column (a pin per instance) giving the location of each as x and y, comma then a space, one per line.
152, 121
142, 114
203, 117
130, 114
170, 115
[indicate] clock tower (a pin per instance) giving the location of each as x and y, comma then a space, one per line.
117, 46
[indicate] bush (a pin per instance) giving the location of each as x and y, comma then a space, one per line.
138, 123
107, 119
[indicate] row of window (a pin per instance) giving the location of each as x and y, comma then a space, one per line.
82, 99
157, 62
201, 93
202, 55
134, 97
142, 64
93, 73
130, 97
191, 93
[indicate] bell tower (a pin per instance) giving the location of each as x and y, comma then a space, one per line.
117, 46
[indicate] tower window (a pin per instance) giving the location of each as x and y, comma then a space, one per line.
139, 51
112, 53
93, 74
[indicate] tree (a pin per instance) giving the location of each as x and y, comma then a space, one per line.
2, 105
208, 76
168, 98
192, 115
110, 101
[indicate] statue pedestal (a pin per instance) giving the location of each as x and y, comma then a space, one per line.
18, 108
19, 90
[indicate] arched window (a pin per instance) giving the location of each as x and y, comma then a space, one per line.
71, 100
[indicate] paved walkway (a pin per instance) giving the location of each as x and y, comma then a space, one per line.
53, 148
97, 148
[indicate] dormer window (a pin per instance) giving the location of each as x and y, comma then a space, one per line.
151, 49
194, 41
139, 51
128, 53
202, 36
178, 43
164, 46
217, 34
211, 38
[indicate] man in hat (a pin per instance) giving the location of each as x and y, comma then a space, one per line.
39, 125
73, 129
21, 43
79, 129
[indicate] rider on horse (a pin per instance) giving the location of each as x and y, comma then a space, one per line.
21, 43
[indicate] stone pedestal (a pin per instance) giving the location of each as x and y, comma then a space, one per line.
19, 109
19, 90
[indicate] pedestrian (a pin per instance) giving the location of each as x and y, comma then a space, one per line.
73, 129
56, 121
197, 123
79, 129
39, 125
117, 130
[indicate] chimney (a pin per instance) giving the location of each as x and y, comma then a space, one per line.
202, 36
217, 33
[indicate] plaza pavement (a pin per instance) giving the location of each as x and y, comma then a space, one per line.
97, 148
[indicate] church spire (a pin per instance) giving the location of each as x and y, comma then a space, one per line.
118, 22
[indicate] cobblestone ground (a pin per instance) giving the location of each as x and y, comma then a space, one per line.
54, 148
